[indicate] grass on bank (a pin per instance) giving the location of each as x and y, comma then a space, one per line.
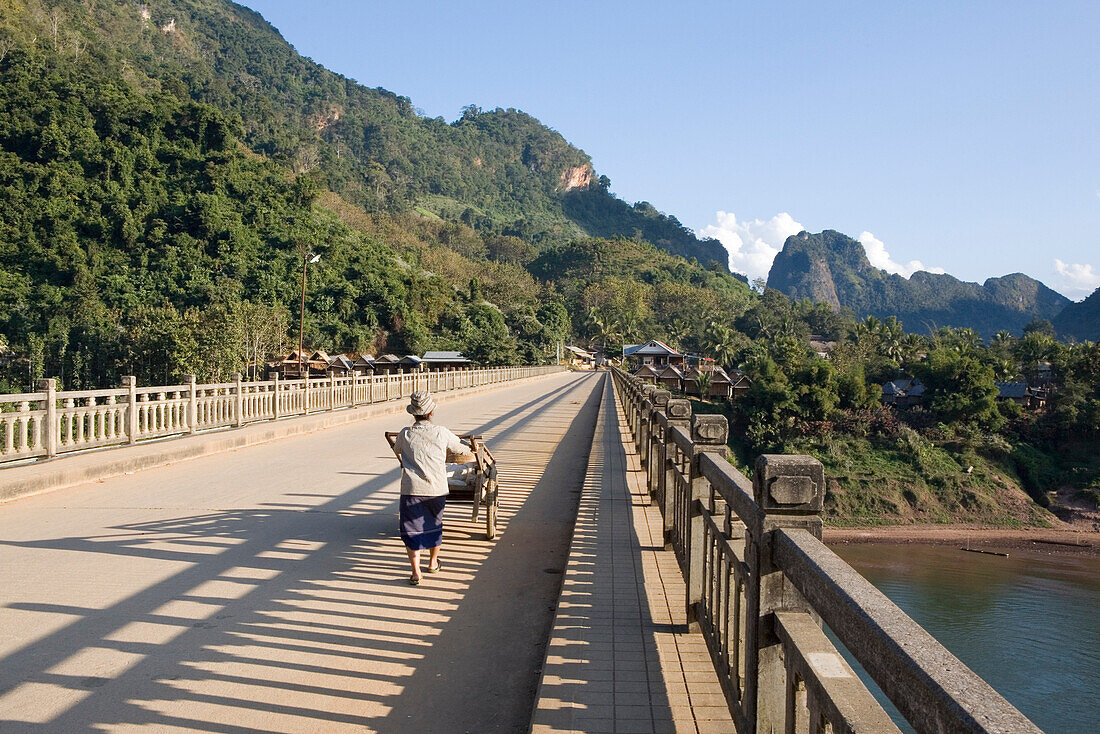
910, 479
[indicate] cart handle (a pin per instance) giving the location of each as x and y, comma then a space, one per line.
473, 438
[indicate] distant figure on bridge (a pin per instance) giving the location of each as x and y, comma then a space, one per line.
422, 449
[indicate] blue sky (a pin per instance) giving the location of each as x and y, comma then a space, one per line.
959, 135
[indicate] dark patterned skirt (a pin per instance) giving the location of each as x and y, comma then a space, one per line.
422, 521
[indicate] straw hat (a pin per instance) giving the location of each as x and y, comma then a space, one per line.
421, 403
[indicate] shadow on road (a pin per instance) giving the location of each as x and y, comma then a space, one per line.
297, 616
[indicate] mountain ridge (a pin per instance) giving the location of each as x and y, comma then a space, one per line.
498, 170
1081, 320
833, 268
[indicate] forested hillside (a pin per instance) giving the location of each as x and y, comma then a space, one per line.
1080, 320
834, 269
498, 170
165, 167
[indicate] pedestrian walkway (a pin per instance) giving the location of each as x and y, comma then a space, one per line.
620, 658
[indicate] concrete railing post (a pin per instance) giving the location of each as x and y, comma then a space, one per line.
130, 383
238, 402
192, 403
275, 396
636, 413
790, 491
52, 429
305, 392
331, 392
658, 399
678, 414
642, 437
708, 435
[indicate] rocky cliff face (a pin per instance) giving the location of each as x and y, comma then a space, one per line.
832, 268
577, 177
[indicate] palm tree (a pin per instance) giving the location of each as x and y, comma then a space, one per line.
720, 341
1005, 370
678, 330
702, 382
870, 326
1002, 339
600, 325
627, 325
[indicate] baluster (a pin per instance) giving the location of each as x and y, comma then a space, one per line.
9, 435
112, 416
91, 405
80, 417
143, 414
70, 416
22, 442
100, 424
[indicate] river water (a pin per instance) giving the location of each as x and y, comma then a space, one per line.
1028, 624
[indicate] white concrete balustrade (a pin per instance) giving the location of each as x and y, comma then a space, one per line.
50, 422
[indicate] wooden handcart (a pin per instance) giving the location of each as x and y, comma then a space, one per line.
479, 486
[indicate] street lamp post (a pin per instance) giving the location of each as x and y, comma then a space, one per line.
306, 260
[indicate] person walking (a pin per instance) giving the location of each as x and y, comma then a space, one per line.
422, 450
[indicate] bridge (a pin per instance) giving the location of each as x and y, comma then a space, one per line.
227, 561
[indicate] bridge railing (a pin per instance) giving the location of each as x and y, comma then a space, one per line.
51, 422
760, 582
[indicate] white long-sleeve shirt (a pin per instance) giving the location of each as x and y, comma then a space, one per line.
423, 448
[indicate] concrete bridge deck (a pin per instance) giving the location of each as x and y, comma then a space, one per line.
264, 589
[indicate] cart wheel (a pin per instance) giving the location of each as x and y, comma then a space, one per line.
491, 510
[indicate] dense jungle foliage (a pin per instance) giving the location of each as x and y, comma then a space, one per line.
961, 454
167, 167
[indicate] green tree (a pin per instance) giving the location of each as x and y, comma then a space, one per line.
960, 388
768, 408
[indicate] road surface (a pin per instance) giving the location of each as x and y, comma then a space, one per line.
264, 590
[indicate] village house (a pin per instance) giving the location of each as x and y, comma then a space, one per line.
386, 364
295, 366
691, 379
654, 354
445, 361
723, 385
1022, 394
903, 393
364, 364
409, 363
671, 379
821, 346
647, 374
1043, 373
741, 383
580, 359
341, 366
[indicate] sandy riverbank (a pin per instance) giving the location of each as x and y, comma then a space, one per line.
1045, 541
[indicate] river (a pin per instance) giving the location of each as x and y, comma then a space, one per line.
1028, 624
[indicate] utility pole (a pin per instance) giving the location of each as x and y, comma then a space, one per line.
306, 260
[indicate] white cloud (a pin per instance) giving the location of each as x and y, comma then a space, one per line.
880, 258
752, 245
1076, 279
